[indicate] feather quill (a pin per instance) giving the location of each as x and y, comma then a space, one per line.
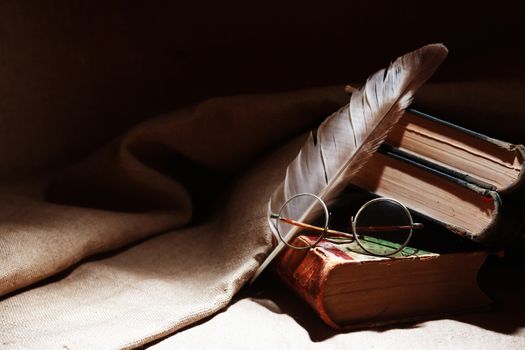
346, 140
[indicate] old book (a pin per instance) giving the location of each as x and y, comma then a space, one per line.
465, 208
353, 290
463, 153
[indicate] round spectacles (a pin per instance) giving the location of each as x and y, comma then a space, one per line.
381, 227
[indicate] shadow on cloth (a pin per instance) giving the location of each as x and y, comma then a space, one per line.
499, 278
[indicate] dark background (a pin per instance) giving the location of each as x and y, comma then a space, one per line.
73, 74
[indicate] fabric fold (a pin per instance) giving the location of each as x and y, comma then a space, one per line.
148, 181
159, 286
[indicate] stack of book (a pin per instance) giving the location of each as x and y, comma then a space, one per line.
464, 185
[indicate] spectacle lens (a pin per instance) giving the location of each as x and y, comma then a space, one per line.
290, 220
383, 226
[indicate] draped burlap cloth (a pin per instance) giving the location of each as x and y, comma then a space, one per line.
164, 225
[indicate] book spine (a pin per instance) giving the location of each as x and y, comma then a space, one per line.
306, 273
518, 187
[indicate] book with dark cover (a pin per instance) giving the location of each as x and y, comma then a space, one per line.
474, 212
462, 153
348, 289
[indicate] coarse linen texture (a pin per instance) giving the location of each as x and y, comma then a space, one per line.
150, 182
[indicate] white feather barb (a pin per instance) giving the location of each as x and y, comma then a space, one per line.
345, 141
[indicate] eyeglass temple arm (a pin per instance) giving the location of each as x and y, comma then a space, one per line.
311, 227
415, 225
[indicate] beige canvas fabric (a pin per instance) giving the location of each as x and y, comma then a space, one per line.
175, 279
215, 162
142, 182
153, 288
